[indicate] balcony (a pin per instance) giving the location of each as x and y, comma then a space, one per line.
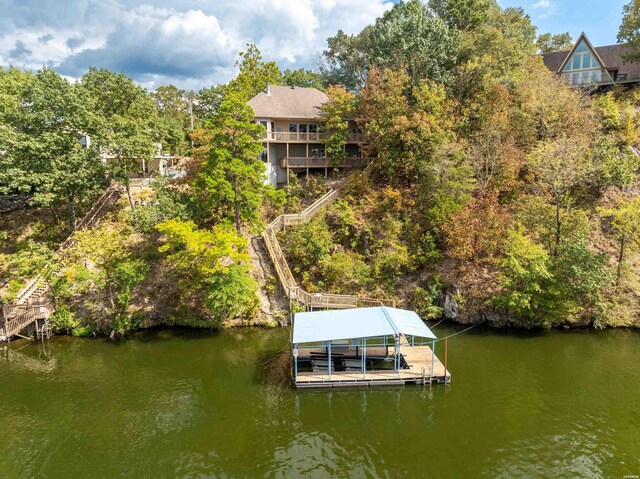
323, 162
305, 137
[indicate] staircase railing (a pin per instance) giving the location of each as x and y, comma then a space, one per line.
23, 310
287, 280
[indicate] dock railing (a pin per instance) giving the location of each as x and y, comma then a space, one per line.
293, 291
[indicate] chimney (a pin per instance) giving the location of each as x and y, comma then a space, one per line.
268, 90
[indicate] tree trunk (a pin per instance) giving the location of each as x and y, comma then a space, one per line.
55, 214
72, 215
236, 204
128, 188
620, 259
558, 225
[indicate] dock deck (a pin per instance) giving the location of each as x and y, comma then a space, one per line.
417, 358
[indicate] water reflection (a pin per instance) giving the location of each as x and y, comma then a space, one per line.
39, 359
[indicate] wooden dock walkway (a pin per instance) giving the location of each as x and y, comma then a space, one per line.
418, 359
34, 304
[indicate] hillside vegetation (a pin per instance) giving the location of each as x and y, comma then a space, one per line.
497, 193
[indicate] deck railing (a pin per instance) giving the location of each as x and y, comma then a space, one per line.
293, 136
287, 280
324, 162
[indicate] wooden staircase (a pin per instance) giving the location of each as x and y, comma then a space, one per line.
34, 304
293, 291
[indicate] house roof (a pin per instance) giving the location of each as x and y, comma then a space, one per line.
288, 102
357, 323
610, 55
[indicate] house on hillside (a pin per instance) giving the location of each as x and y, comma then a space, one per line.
586, 65
294, 137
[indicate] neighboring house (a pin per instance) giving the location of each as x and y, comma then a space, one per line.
158, 164
585, 65
294, 137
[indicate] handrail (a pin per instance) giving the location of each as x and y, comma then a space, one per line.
287, 280
25, 309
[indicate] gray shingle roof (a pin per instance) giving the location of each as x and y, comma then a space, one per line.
288, 102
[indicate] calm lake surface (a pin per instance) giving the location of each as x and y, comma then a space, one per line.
185, 404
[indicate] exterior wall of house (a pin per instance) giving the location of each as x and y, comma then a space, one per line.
300, 141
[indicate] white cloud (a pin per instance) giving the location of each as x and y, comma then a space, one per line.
192, 45
547, 6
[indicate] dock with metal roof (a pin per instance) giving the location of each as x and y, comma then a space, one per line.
364, 347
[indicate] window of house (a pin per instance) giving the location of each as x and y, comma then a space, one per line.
293, 127
313, 128
303, 128
582, 68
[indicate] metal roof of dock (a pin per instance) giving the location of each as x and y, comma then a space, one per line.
357, 323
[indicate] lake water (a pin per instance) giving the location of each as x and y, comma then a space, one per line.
185, 404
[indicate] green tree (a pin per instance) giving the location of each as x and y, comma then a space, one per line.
214, 260
559, 167
526, 274
625, 223
629, 31
345, 61
174, 111
411, 37
335, 116
462, 14
207, 101
231, 182
548, 43
303, 78
41, 123
254, 74
124, 122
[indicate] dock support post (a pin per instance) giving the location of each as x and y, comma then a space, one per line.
295, 362
433, 354
364, 358
329, 362
446, 344
399, 361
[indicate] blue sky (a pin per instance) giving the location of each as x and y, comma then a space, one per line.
194, 43
599, 19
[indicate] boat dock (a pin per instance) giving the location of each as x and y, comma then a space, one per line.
364, 347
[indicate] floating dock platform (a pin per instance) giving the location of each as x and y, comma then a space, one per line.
377, 346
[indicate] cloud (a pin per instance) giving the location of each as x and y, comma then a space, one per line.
191, 43
547, 6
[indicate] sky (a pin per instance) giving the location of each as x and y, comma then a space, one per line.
194, 43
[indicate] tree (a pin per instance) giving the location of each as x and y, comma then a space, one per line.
411, 37
346, 62
477, 232
174, 111
231, 181
525, 276
254, 74
629, 31
548, 43
335, 116
214, 260
303, 78
625, 222
207, 101
124, 122
41, 125
462, 14
559, 167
